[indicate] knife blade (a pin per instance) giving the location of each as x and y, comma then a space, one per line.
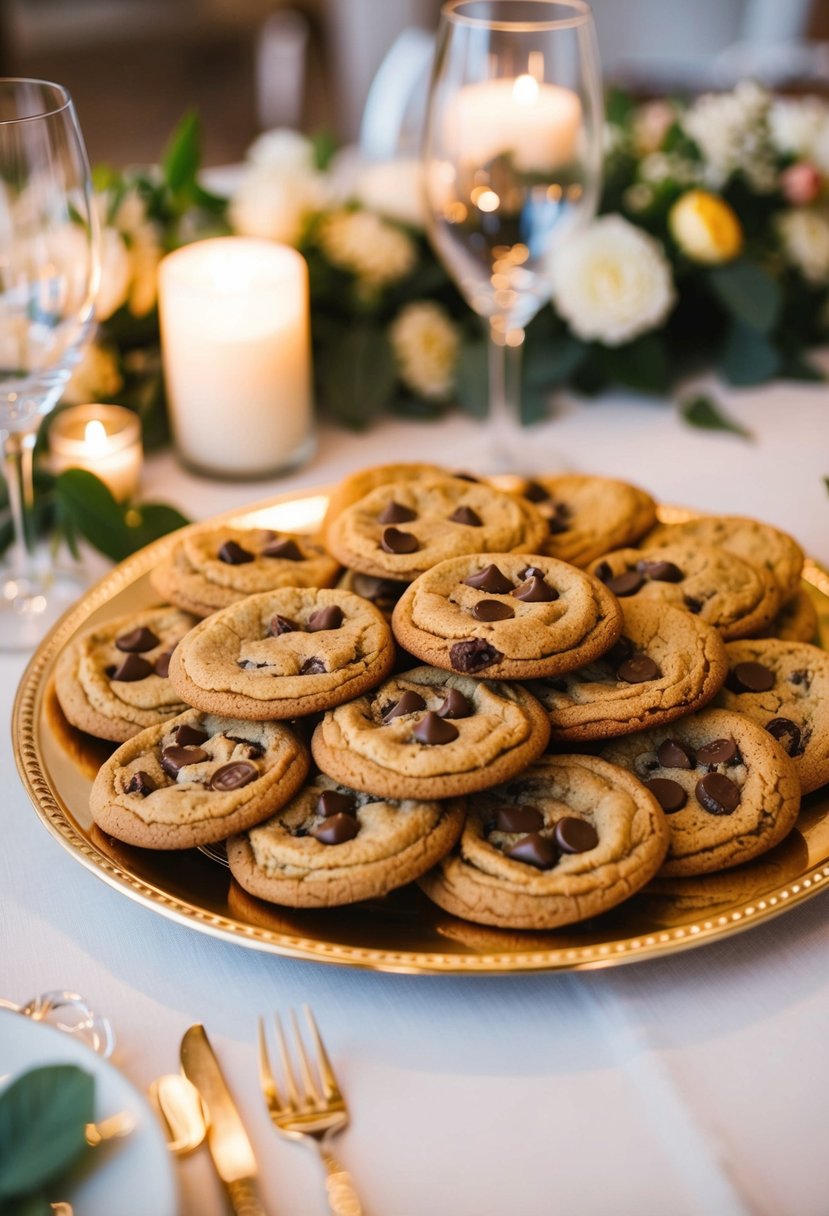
227, 1139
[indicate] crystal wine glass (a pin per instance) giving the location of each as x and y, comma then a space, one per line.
48, 279
512, 168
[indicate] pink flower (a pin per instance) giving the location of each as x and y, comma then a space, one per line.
800, 184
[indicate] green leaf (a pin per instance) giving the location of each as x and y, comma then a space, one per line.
472, 378
183, 154
642, 364
554, 360
325, 145
751, 295
358, 375
43, 1114
703, 412
88, 504
35, 1204
748, 357
149, 521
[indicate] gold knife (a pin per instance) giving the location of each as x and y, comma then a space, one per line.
227, 1139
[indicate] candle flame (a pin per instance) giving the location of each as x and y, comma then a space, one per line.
95, 435
525, 90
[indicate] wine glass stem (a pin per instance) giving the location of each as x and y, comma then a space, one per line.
505, 360
18, 455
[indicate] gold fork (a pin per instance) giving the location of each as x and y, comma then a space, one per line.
314, 1114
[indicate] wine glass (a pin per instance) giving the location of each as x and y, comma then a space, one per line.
48, 278
512, 168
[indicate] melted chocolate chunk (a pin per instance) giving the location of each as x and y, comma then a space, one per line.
787, 734
692, 604
536, 492
249, 665
518, 819
535, 591
638, 669
624, 584
462, 475
288, 550
281, 624
660, 572
140, 783
330, 617
332, 802
233, 776
233, 554
492, 610
189, 736
718, 794
434, 730
174, 759
396, 513
336, 829
378, 589
473, 655
750, 677
455, 705
137, 641
253, 750
535, 850
161, 667
673, 754
560, 519
491, 580
314, 666
720, 751
395, 541
466, 516
131, 668
621, 649
531, 572
575, 835
800, 677
669, 794
409, 703
603, 572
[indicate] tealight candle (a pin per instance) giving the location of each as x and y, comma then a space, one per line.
104, 439
537, 124
237, 361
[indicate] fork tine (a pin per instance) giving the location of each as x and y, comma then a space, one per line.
329, 1080
266, 1078
312, 1097
290, 1083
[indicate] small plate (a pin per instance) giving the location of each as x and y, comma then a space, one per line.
132, 1176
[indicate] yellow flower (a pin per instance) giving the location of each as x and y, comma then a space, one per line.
705, 228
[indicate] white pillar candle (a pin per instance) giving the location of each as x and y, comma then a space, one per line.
537, 124
236, 344
104, 440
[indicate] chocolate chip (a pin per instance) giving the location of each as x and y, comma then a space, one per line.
409, 703
189, 736
621, 649
535, 850
718, 794
395, 541
455, 705
492, 610
434, 730
491, 580
312, 667
233, 776
131, 668
531, 572
660, 572
462, 475
559, 521
669, 794
161, 667
137, 641
638, 669
331, 802
140, 783
330, 617
377, 589
787, 734
253, 750
336, 829
465, 515
473, 655
535, 591
603, 572
750, 677
518, 819
800, 677
536, 492
396, 513
288, 550
249, 665
174, 759
673, 754
692, 604
627, 583
720, 751
234, 554
575, 835
281, 624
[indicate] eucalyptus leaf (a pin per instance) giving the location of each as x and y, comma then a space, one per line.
34, 1204
748, 357
358, 376
90, 506
149, 521
324, 147
701, 411
183, 154
751, 295
43, 1115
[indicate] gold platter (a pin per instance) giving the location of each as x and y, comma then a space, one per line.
402, 932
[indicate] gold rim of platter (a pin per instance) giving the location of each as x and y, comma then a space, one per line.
403, 933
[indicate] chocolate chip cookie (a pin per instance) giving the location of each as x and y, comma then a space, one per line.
666, 664
332, 845
784, 687
211, 568
283, 654
589, 516
112, 680
735, 597
399, 530
428, 734
356, 485
196, 780
727, 786
505, 616
569, 838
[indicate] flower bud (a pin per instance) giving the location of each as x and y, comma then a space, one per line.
705, 228
800, 184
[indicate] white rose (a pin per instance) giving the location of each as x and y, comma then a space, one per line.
394, 189
799, 126
612, 282
804, 235
425, 343
282, 150
95, 377
275, 206
376, 252
115, 274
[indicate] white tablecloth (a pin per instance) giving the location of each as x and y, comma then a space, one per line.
695, 1085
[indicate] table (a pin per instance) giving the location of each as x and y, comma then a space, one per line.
689, 1086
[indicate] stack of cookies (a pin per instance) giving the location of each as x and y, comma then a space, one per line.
530, 701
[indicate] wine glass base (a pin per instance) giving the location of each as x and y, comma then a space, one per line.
31, 604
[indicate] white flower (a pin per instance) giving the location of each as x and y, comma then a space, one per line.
804, 235
115, 274
283, 151
799, 126
130, 253
376, 252
425, 343
393, 188
731, 132
280, 189
95, 377
612, 282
